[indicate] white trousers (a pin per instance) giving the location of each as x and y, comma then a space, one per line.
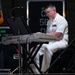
47, 50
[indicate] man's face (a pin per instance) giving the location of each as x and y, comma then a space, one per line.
50, 12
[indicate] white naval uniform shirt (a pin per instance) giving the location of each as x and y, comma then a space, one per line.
59, 24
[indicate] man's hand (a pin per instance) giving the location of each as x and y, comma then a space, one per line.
38, 33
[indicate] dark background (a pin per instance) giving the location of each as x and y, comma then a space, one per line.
7, 5
7, 51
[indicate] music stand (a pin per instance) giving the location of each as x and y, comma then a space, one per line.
18, 27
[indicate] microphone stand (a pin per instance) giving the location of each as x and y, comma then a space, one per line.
20, 58
19, 48
19, 45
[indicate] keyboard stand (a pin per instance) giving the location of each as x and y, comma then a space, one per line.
28, 57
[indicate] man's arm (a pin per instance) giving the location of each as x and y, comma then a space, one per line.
57, 34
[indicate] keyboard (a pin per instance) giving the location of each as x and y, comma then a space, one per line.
28, 38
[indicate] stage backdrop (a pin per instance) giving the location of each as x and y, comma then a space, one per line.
36, 17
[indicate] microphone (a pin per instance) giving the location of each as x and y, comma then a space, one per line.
14, 9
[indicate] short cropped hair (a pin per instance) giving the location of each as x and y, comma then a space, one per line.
51, 6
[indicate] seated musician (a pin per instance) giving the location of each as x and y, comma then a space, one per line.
57, 25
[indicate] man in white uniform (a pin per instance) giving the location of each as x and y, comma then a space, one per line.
58, 26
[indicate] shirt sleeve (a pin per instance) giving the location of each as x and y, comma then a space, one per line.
62, 24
